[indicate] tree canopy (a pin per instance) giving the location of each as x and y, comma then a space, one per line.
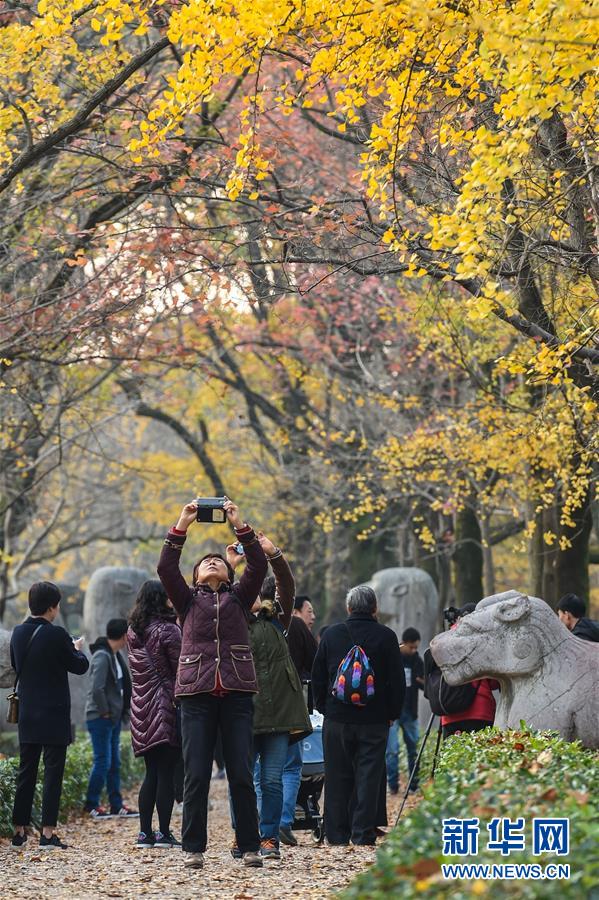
373, 224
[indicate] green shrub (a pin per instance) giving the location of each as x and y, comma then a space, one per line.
76, 775
506, 774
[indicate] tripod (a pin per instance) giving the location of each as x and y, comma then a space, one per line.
415, 766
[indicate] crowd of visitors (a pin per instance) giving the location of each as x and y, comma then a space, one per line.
229, 669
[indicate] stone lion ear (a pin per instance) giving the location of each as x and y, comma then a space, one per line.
514, 609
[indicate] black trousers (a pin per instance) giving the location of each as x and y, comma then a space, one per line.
54, 759
354, 764
201, 717
158, 787
219, 759
467, 726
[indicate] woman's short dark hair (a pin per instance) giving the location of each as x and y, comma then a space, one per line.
230, 569
361, 600
151, 603
43, 595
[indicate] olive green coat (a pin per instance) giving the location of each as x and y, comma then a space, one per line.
279, 704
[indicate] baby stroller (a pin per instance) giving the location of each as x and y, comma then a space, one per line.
307, 810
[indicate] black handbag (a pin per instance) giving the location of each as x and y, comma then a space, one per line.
12, 713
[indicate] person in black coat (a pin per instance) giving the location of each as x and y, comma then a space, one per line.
571, 610
42, 655
355, 737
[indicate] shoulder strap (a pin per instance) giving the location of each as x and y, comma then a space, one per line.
29, 642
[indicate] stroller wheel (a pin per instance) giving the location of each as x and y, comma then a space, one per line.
318, 834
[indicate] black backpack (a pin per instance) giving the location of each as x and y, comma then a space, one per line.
443, 698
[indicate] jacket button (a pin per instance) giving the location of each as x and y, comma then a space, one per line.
187, 659
214, 620
215, 640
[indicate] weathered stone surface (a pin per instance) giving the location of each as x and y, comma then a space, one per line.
7, 675
110, 594
407, 597
549, 678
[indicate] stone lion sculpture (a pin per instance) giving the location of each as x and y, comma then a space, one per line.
548, 677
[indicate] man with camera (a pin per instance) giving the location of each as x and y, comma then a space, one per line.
216, 678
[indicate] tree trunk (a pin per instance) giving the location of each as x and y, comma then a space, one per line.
572, 564
536, 559
550, 523
309, 565
467, 558
338, 578
488, 567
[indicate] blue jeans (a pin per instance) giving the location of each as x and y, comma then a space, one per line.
106, 770
270, 753
409, 728
292, 776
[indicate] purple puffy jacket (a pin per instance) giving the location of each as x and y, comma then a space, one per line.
153, 663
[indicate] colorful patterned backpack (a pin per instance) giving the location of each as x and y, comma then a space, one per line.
354, 683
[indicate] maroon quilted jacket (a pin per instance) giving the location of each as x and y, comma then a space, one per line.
153, 664
214, 623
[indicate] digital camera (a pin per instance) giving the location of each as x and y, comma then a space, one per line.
451, 614
210, 509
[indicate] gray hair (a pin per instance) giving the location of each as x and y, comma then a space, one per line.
362, 600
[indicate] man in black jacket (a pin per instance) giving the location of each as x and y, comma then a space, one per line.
354, 737
571, 610
42, 654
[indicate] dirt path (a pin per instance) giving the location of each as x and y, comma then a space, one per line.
102, 861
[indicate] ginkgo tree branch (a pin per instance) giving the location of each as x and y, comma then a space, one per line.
197, 444
41, 148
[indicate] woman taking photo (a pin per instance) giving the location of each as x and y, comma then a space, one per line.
280, 712
154, 643
216, 679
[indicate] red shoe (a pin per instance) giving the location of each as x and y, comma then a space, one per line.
98, 812
125, 812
